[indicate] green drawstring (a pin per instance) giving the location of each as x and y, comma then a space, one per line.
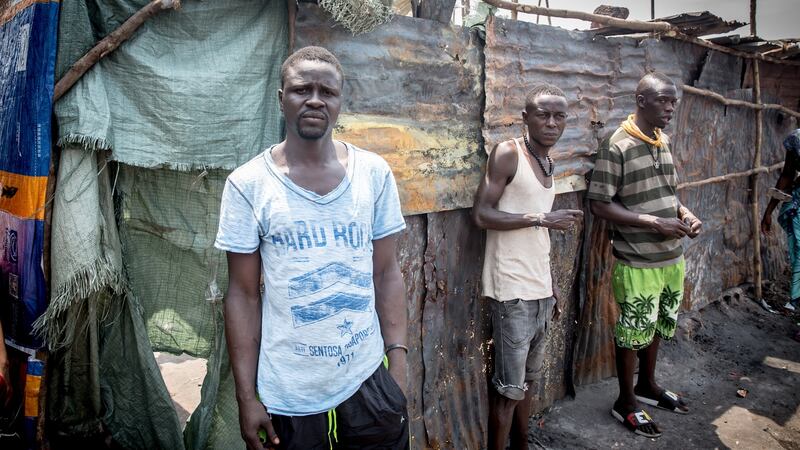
332, 427
332, 416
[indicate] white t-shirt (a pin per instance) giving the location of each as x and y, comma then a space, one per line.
320, 336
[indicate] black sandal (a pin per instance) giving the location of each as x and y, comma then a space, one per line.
667, 400
635, 420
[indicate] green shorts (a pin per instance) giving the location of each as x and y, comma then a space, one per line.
648, 300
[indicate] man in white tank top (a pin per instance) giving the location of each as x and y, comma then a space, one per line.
513, 204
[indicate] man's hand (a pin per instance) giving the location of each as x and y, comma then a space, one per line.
562, 219
694, 224
398, 367
672, 227
766, 224
557, 308
252, 418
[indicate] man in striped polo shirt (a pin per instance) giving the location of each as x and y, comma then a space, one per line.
633, 188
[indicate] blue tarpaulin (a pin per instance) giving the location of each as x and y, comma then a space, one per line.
28, 50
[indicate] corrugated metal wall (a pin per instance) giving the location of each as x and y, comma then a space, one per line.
415, 93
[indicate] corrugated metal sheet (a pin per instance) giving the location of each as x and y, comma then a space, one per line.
780, 80
454, 334
598, 75
691, 23
413, 94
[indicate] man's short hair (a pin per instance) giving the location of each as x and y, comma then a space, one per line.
543, 89
310, 53
652, 78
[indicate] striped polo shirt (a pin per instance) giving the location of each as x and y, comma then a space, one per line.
625, 172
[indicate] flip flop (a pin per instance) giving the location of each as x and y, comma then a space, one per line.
635, 420
668, 400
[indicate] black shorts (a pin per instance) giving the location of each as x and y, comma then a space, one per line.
375, 417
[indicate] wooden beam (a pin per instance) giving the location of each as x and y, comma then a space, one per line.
110, 43
732, 102
636, 25
730, 176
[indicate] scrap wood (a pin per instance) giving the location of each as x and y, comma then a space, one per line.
731, 176
636, 25
110, 43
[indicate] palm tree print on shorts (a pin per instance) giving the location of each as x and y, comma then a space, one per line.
668, 307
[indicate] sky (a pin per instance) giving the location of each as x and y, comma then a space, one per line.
775, 19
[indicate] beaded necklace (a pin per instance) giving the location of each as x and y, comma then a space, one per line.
541, 164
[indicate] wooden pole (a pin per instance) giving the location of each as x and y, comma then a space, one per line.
730, 176
753, 17
110, 43
731, 102
754, 180
635, 25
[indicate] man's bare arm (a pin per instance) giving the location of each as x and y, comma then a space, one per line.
500, 170
243, 334
390, 304
614, 212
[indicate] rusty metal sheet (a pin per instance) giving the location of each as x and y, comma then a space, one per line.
455, 334
411, 254
565, 260
598, 75
413, 94
782, 81
594, 344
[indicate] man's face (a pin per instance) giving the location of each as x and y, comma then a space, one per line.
657, 104
546, 118
311, 98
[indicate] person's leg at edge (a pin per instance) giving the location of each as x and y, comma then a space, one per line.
519, 425
501, 413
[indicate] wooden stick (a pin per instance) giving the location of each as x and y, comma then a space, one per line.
752, 17
110, 43
636, 25
754, 181
731, 176
664, 29
731, 102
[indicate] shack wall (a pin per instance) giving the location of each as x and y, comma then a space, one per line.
437, 150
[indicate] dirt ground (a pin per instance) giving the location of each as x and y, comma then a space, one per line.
730, 345
184, 377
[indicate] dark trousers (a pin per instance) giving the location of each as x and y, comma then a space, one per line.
375, 417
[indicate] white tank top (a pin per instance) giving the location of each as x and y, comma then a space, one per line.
517, 262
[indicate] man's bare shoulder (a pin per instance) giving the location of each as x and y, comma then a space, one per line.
504, 158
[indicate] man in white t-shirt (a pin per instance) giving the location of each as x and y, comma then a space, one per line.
319, 219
